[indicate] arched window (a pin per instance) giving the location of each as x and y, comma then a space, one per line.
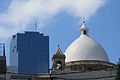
59, 65
84, 32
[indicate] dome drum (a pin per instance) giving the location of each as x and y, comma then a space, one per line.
89, 65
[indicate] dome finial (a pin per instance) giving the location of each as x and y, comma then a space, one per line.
84, 29
83, 23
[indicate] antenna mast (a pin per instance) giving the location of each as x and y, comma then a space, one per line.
35, 26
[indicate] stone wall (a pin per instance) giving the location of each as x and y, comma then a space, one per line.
88, 75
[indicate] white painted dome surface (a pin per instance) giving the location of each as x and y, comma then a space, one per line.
85, 48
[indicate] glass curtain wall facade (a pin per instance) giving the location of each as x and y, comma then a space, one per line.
30, 53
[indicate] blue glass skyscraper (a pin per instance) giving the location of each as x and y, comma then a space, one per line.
29, 53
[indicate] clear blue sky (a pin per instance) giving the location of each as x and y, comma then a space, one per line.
104, 27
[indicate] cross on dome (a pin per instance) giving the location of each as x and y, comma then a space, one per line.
83, 20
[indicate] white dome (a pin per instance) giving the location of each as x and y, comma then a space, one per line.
85, 48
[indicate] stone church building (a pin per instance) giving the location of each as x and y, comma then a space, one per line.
84, 59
